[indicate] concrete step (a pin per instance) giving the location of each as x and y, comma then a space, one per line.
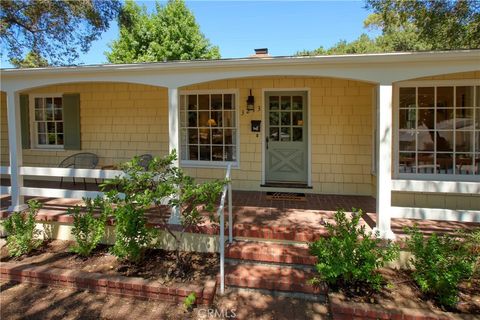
272, 278
268, 252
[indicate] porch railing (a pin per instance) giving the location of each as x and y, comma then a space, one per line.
227, 191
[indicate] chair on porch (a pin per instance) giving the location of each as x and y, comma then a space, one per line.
144, 160
83, 160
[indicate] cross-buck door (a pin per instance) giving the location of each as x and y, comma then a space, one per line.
286, 139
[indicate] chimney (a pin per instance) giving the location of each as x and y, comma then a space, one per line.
261, 53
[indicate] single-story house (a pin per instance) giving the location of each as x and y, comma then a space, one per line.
402, 127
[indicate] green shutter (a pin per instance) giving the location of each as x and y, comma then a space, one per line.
24, 121
71, 121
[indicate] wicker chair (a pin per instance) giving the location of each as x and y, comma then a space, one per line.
83, 160
144, 160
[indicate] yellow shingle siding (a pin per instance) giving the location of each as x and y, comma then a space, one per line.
341, 133
118, 121
436, 200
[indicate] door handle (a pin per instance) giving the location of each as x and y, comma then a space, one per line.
266, 140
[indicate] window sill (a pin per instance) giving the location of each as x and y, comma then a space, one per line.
46, 149
212, 165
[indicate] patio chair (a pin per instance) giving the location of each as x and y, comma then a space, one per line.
144, 160
83, 160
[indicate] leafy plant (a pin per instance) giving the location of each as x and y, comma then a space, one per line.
88, 229
140, 190
350, 256
189, 301
22, 235
440, 263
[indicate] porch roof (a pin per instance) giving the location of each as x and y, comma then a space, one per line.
457, 61
388, 57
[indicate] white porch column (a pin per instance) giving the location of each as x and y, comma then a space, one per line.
384, 167
173, 124
15, 147
173, 133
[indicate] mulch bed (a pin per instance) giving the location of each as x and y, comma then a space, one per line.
402, 293
157, 265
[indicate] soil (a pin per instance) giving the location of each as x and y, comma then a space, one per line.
401, 291
158, 264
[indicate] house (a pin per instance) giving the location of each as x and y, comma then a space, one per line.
402, 127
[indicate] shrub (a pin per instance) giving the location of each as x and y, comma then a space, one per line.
87, 229
350, 256
440, 263
189, 301
22, 235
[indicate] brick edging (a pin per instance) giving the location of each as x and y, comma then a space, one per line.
341, 310
97, 282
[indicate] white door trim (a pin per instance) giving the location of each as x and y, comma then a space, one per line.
309, 132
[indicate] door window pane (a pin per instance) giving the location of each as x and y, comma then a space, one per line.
285, 134
297, 118
297, 134
286, 103
286, 118
274, 103
297, 103
274, 133
274, 118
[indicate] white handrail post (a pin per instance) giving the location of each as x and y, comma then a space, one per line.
230, 218
222, 244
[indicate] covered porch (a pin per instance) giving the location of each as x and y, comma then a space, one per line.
351, 139
256, 216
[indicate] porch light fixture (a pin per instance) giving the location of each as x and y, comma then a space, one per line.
250, 102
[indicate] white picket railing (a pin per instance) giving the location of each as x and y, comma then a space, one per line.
227, 190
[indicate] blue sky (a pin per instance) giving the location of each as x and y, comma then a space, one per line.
284, 27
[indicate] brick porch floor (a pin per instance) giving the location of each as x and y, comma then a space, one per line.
258, 217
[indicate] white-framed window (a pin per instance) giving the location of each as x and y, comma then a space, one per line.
438, 132
46, 121
208, 127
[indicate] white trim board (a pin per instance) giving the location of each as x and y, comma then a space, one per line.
69, 172
436, 186
435, 214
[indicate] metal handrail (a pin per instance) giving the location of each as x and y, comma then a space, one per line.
221, 212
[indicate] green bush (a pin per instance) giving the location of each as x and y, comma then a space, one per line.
189, 301
440, 263
22, 235
350, 256
87, 229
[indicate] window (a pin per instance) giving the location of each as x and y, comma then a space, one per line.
439, 130
47, 121
209, 127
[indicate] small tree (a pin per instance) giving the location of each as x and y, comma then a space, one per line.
149, 189
23, 237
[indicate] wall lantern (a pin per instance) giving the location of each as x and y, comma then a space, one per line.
250, 102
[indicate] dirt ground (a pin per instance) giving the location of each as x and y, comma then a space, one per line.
27, 301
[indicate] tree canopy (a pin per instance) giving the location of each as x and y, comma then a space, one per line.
415, 25
169, 33
42, 32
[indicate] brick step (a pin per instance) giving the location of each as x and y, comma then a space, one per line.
272, 278
270, 252
279, 233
